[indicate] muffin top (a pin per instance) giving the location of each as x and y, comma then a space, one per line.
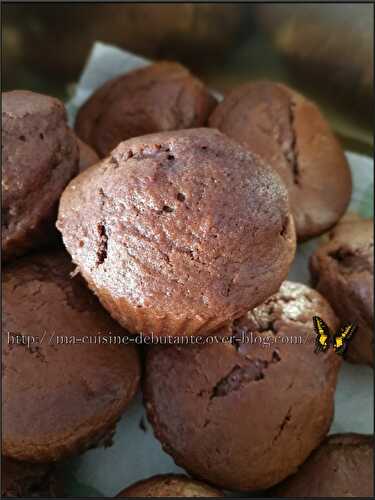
159, 97
169, 485
180, 223
63, 389
342, 467
244, 414
289, 132
39, 156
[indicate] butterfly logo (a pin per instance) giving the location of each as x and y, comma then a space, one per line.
325, 338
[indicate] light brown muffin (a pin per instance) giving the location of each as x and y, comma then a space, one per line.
289, 132
178, 233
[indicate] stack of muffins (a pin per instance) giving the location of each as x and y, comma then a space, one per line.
180, 217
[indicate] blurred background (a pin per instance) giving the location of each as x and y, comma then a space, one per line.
324, 50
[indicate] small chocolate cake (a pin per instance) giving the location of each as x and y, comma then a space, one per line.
67, 378
289, 132
343, 466
160, 97
342, 269
180, 232
39, 157
244, 410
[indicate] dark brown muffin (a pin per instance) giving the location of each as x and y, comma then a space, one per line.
289, 132
39, 157
342, 467
178, 233
160, 97
64, 387
22, 479
169, 485
343, 271
87, 156
245, 415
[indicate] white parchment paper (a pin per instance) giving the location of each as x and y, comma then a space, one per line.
136, 454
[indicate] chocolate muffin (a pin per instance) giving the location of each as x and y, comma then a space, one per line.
342, 467
169, 485
160, 97
39, 157
64, 385
289, 132
243, 415
178, 233
22, 479
342, 269
87, 156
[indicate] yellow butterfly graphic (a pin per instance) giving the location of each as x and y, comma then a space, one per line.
326, 338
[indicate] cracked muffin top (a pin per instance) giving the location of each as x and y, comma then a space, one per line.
159, 97
343, 466
39, 157
178, 233
169, 485
289, 132
243, 415
62, 392
342, 269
